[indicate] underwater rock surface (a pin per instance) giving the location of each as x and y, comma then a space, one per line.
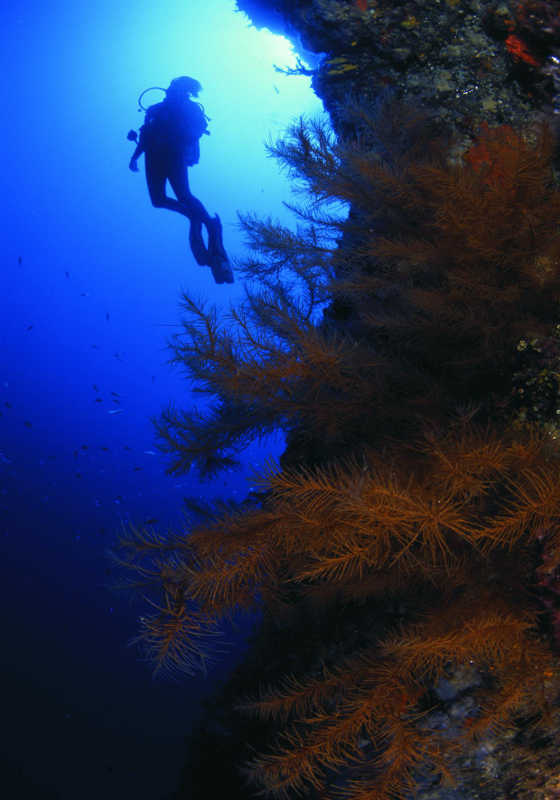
467, 61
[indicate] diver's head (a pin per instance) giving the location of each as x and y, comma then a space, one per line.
179, 87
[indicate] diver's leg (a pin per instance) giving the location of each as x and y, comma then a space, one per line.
194, 210
157, 169
157, 173
215, 256
179, 180
156, 176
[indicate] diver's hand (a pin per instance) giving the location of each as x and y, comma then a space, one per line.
133, 165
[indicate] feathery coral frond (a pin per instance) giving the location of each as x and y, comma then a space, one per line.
175, 641
406, 529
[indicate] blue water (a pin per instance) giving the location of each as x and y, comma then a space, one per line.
90, 282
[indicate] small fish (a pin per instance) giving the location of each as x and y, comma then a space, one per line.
8, 405
96, 388
362, 4
136, 469
67, 273
75, 454
20, 260
27, 423
95, 346
30, 327
98, 399
126, 447
107, 316
150, 453
4, 459
84, 447
106, 449
115, 411
78, 474
84, 294
150, 521
116, 394
276, 89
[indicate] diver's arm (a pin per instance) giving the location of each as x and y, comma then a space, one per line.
133, 164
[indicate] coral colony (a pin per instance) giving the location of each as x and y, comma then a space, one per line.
417, 507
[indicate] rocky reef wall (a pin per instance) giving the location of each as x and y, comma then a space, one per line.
465, 61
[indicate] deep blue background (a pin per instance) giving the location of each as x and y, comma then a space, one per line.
90, 279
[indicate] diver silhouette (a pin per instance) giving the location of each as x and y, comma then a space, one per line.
169, 139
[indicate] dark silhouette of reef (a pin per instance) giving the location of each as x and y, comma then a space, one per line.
397, 552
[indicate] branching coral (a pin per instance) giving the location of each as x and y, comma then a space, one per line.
457, 518
416, 488
465, 266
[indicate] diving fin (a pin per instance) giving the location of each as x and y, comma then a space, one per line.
217, 256
198, 248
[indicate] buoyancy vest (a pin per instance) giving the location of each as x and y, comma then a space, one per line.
174, 129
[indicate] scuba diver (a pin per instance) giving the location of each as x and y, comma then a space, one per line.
169, 139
